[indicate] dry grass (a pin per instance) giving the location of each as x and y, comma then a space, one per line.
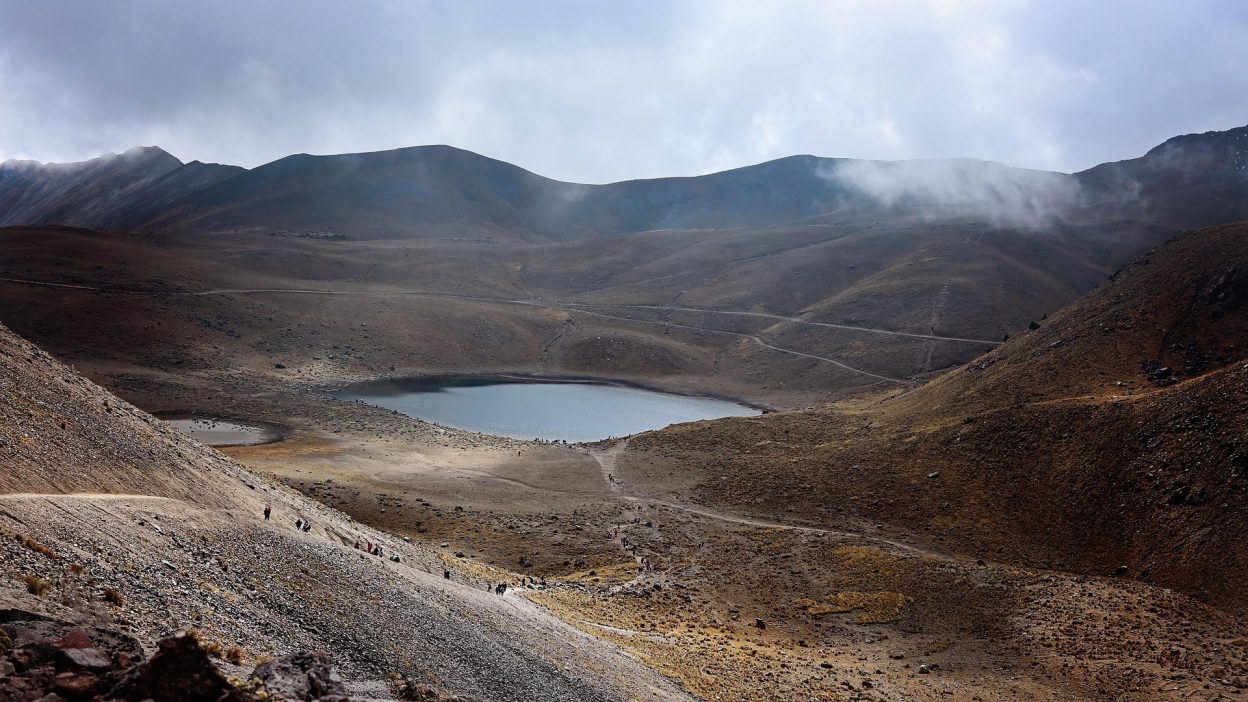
212, 648
36, 585
114, 598
35, 546
876, 607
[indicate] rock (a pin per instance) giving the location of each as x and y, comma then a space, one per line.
6, 668
934, 474
1179, 496
301, 676
76, 685
85, 659
924, 669
420, 692
180, 670
760, 623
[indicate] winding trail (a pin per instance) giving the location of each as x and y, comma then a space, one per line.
794, 320
566, 307
606, 459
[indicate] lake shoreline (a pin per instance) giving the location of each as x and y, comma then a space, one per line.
541, 408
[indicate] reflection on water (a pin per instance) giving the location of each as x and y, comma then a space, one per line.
570, 411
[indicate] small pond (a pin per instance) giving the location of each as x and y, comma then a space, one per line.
216, 432
523, 409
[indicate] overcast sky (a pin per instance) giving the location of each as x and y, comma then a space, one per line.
599, 91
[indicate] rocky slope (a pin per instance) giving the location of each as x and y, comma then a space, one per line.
1107, 440
111, 191
107, 514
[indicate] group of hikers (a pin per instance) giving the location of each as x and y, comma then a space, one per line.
305, 525
377, 550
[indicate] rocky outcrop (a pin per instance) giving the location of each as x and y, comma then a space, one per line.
54, 661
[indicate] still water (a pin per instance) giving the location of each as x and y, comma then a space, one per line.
217, 432
571, 411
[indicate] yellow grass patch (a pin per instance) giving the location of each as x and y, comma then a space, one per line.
873, 607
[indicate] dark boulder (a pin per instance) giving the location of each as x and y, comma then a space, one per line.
179, 672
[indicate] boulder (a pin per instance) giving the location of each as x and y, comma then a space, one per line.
300, 676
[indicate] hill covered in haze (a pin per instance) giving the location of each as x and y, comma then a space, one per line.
443, 192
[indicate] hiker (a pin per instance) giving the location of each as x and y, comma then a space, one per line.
446, 575
307, 526
268, 510
299, 523
370, 546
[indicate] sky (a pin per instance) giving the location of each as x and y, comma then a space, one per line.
599, 90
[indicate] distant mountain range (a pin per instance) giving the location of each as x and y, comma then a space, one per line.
440, 191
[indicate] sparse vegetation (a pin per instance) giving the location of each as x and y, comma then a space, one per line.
114, 598
36, 585
212, 648
36, 546
876, 607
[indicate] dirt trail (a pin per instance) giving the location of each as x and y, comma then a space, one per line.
455, 627
607, 458
576, 307
794, 320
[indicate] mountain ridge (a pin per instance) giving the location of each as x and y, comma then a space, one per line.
442, 190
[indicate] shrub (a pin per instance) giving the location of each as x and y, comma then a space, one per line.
235, 655
114, 598
36, 585
212, 648
36, 546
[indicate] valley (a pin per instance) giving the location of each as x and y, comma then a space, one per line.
1002, 457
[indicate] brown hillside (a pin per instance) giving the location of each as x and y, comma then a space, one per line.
108, 515
1071, 446
63, 434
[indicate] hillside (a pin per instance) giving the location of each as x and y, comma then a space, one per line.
113, 191
98, 498
1109, 437
1194, 180
440, 192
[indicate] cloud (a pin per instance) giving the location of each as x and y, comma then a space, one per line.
595, 92
1006, 196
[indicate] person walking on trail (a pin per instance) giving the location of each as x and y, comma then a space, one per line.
299, 523
446, 575
307, 526
268, 510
